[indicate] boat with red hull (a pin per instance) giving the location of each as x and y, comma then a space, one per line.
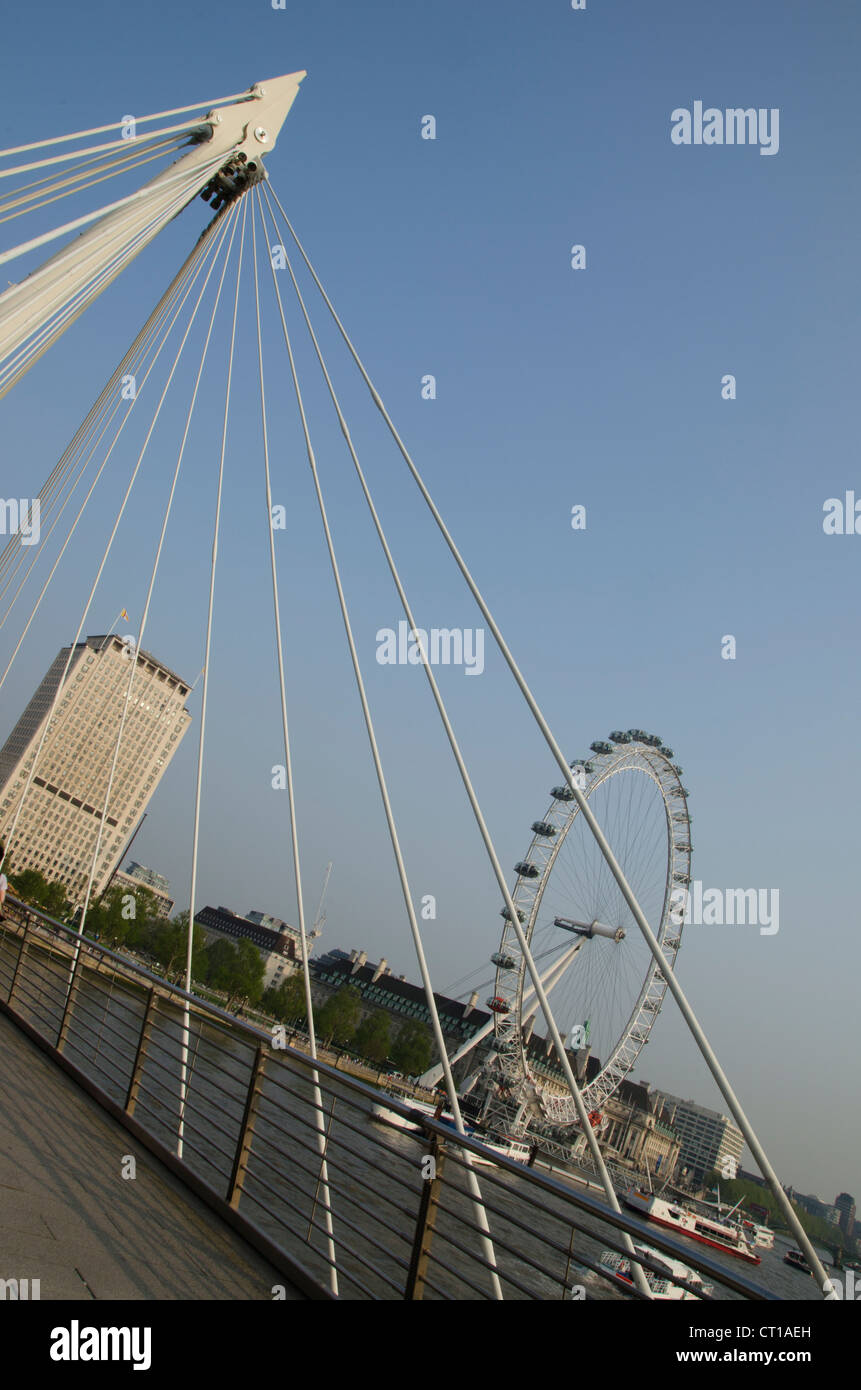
718, 1234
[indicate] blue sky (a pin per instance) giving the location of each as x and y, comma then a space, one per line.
554, 387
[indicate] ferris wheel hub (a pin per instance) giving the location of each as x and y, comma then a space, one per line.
589, 929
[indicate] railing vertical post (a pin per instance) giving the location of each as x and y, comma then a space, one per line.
140, 1055
320, 1174
425, 1225
246, 1134
21, 953
71, 994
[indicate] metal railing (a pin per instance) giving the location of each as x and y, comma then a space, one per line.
404, 1224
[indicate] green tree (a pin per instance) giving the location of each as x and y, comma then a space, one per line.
339, 1016
220, 963
142, 935
33, 888
105, 919
412, 1048
119, 912
373, 1037
29, 885
55, 901
236, 970
251, 972
287, 1001
169, 945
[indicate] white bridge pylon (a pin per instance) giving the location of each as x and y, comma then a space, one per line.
40, 308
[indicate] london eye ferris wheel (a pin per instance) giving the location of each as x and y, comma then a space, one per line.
607, 989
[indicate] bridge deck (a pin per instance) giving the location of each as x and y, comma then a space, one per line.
69, 1219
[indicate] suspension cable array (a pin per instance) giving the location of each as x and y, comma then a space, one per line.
223, 163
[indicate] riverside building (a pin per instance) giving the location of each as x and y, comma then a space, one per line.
845, 1204
380, 989
280, 947
710, 1141
139, 876
58, 825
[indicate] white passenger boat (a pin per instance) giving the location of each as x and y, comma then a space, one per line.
760, 1236
662, 1286
505, 1146
391, 1117
720, 1235
757, 1235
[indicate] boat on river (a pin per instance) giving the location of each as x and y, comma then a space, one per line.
720, 1235
662, 1286
391, 1117
762, 1237
503, 1145
797, 1260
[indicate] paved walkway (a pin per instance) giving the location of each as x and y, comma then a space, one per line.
69, 1219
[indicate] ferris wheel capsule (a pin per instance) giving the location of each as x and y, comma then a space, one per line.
506, 913
525, 869
498, 1005
562, 794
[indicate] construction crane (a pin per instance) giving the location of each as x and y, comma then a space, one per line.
320, 918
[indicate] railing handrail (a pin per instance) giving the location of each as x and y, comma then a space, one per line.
442, 1132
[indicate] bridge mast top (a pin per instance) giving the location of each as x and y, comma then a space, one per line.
255, 130
223, 160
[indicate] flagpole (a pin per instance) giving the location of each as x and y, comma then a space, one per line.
115, 624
